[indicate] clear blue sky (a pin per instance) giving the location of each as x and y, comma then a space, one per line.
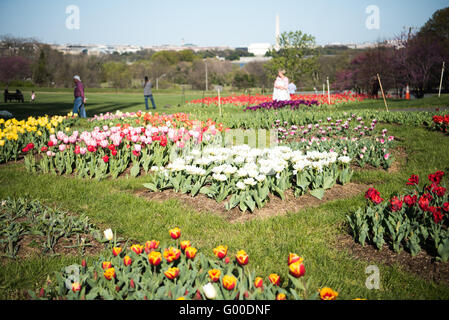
209, 22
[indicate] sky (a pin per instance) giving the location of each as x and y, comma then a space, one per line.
233, 23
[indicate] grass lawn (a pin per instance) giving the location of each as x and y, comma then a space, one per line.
313, 233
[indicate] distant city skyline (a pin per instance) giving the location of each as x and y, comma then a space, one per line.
209, 23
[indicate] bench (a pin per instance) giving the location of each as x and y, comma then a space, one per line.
17, 96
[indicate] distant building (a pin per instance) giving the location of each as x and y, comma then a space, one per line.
259, 49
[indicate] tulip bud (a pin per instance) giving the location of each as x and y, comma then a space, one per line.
209, 291
83, 263
131, 284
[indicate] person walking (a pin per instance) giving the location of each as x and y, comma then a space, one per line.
280, 91
148, 94
80, 99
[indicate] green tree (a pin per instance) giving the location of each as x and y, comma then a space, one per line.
40, 74
118, 74
297, 55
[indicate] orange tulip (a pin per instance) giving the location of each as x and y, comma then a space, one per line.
293, 257
127, 261
229, 282
328, 294
171, 254
214, 274
297, 269
258, 282
106, 265
191, 252
109, 273
151, 245
274, 279
155, 258
137, 248
221, 251
172, 273
116, 251
76, 286
175, 233
185, 244
281, 296
242, 257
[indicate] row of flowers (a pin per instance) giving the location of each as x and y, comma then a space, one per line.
276, 105
177, 272
247, 176
109, 151
249, 100
417, 219
15, 135
351, 137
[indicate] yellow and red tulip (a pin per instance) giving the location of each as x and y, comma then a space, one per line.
214, 274
106, 265
171, 254
116, 251
185, 244
293, 257
281, 296
191, 252
274, 279
151, 245
76, 286
327, 293
109, 273
172, 273
258, 282
155, 258
242, 258
127, 261
175, 233
221, 251
137, 248
229, 282
297, 269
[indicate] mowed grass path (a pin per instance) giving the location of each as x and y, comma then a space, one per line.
310, 233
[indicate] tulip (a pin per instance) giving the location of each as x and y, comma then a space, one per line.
214, 274
127, 261
242, 257
109, 273
132, 284
293, 257
328, 294
172, 273
106, 265
185, 244
175, 233
116, 251
76, 286
155, 258
171, 254
274, 279
229, 282
209, 291
297, 269
191, 252
108, 234
137, 248
258, 282
105, 159
221, 251
151, 245
281, 296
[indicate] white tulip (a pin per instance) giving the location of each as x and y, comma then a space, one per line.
209, 291
108, 234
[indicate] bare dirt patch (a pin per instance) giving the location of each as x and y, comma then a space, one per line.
275, 207
422, 264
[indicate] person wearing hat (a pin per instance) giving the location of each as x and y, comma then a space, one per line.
80, 99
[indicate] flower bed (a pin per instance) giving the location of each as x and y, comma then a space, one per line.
276, 105
441, 123
16, 135
177, 272
249, 175
349, 137
249, 100
109, 151
415, 220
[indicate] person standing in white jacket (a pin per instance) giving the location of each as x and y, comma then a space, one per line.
148, 94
